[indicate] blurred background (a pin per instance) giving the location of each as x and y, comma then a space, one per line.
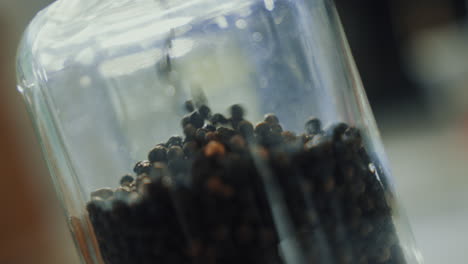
413, 59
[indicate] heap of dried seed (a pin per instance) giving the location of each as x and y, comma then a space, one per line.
207, 198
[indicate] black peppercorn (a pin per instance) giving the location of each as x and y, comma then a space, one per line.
196, 120
214, 148
142, 167
246, 129
262, 129
225, 133
276, 128
217, 119
204, 111
200, 135
189, 106
185, 121
237, 112
313, 126
336, 130
271, 119
126, 180
352, 138
190, 148
289, 136
157, 154
175, 153
237, 142
103, 193
209, 128
212, 191
174, 141
190, 132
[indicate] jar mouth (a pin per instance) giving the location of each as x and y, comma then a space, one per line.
247, 168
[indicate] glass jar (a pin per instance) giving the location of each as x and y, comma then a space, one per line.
210, 131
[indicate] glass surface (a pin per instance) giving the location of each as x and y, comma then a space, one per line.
105, 81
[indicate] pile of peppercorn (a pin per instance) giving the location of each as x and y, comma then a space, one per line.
207, 198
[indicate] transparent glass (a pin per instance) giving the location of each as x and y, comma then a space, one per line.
252, 177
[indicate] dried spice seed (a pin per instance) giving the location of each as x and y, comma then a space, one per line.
276, 128
142, 167
288, 136
185, 121
313, 126
246, 129
103, 193
206, 202
271, 119
174, 141
262, 129
214, 149
219, 119
190, 132
237, 112
209, 128
175, 153
237, 142
190, 148
205, 111
200, 135
225, 133
189, 106
126, 180
157, 154
211, 136
197, 120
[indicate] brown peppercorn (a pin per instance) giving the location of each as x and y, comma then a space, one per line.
214, 148
214, 184
211, 136
237, 142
